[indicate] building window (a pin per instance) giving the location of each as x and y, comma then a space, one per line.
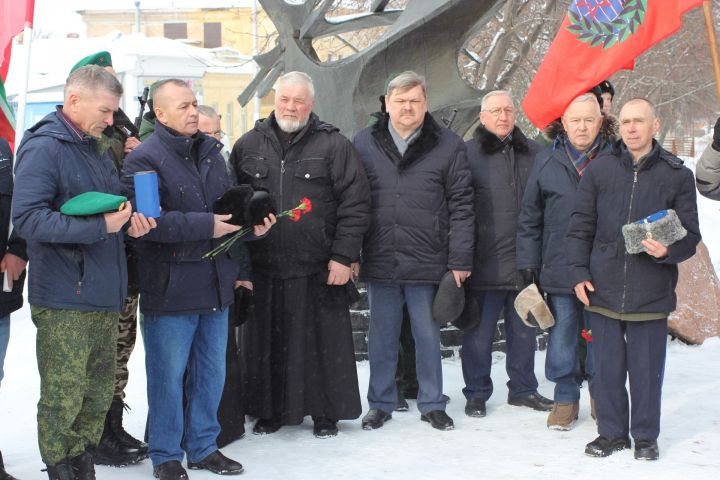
213, 35
175, 30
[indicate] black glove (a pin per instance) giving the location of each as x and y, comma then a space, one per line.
716, 136
529, 275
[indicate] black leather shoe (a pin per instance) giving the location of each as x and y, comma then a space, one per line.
475, 407
375, 418
534, 401
172, 470
438, 419
646, 450
218, 463
83, 466
603, 446
402, 404
266, 426
324, 427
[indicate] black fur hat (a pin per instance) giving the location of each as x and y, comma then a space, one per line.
247, 206
606, 87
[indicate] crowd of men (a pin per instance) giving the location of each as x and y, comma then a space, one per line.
403, 203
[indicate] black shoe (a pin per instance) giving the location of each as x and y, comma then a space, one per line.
117, 407
83, 467
646, 450
603, 446
534, 401
3, 474
375, 418
475, 407
402, 404
438, 419
110, 451
61, 471
172, 470
324, 427
218, 463
266, 426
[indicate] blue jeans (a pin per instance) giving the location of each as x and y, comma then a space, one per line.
477, 346
562, 364
4, 338
386, 305
174, 344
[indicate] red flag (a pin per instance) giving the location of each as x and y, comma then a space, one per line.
14, 15
596, 39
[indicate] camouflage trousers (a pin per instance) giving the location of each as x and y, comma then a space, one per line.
76, 359
127, 333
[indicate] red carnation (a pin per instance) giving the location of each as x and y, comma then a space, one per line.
295, 215
305, 205
586, 334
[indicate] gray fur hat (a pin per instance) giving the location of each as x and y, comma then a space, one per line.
663, 226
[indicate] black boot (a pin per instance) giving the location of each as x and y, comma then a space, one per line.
116, 417
61, 471
83, 467
3, 474
112, 452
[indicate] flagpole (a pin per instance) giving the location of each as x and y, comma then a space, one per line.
710, 27
22, 95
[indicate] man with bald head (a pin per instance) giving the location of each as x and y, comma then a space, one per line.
184, 296
629, 297
78, 278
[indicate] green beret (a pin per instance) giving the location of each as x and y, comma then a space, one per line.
101, 59
92, 203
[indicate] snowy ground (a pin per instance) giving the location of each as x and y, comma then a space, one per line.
510, 443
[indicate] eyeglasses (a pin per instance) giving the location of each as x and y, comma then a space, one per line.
495, 112
218, 135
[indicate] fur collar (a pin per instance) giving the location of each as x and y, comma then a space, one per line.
490, 144
608, 129
427, 140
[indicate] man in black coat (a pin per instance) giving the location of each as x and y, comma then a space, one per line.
629, 297
422, 226
500, 158
299, 344
13, 261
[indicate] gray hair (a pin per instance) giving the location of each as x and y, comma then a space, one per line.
160, 84
586, 97
495, 93
92, 78
645, 101
207, 111
406, 81
297, 78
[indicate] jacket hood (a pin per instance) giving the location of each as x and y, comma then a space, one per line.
427, 140
608, 129
51, 126
656, 153
265, 125
490, 143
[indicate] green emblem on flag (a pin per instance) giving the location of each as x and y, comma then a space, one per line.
603, 23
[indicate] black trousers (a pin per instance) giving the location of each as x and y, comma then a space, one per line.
636, 350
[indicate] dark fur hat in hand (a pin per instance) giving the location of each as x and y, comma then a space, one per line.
247, 206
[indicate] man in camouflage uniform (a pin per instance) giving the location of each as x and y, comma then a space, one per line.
117, 447
79, 275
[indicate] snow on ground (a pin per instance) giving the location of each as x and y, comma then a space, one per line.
510, 443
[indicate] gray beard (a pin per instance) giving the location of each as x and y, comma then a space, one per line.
291, 126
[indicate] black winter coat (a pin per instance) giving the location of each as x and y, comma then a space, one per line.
319, 164
547, 204
175, 279
500, 173
422, 214
612, 194
9, 301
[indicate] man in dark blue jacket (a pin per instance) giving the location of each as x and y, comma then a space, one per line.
500, 158
422, 226
578, 137
184, 297
78, 278
12, 266
629, 297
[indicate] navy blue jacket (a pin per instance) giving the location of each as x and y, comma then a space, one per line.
74, 263
422, 220
174, 278
9, 301
547, 204
612, 194
500, 173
